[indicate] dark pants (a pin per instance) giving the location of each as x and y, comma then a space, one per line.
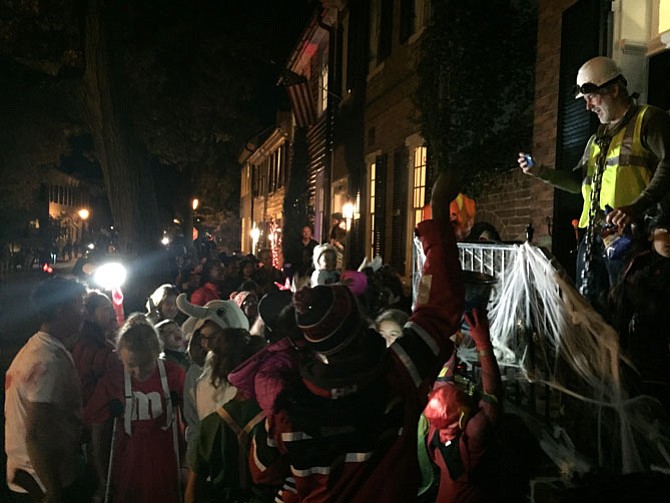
605, 273
79, 492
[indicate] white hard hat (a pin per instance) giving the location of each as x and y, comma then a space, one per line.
595, 74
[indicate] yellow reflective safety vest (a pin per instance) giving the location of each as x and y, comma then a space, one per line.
627, 172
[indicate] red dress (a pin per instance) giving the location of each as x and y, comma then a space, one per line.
145, 465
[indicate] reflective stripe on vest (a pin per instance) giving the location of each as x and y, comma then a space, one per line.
627, 172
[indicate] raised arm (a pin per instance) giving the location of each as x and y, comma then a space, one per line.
440, 300
490, 406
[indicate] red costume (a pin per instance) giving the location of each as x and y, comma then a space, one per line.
145, 465
346, 432
204, 294
461, 440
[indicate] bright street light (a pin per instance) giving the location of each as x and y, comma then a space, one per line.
83, 214
110, 276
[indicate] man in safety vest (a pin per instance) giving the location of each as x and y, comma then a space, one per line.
625, 169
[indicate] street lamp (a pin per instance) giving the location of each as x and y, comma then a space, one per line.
83, 215
195, 203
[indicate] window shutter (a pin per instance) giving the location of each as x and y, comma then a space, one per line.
386, 32
431, 174
659, 90
400, 203
407, 15
583, 36
380, 204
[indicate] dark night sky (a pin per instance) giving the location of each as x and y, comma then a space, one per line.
280, 22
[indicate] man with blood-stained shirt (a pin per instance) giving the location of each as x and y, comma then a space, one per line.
43, 401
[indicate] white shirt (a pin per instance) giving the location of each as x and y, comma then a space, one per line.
43, 372
208, 398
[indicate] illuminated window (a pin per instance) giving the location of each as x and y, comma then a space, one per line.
371, 206
324, 88
663, 16
418, 183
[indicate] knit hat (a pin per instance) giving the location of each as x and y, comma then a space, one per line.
271, 306
328, 317
239, 297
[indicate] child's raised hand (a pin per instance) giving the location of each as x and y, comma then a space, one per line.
445, 189
479, 328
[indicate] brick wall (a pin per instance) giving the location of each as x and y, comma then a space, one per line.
390, 110
514, 200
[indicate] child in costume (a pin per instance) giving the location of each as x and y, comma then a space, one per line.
174, 345
325, 265
389, 324
346, 430
461, 437
144, 391
219, 465
162, 303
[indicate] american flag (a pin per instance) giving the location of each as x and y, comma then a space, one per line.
302, 101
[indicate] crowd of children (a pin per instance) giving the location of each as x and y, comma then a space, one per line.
243, 390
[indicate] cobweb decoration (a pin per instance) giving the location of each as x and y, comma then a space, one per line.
543, 327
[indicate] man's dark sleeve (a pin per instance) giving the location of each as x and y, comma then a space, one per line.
656, 137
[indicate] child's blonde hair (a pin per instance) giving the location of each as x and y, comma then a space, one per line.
138, 334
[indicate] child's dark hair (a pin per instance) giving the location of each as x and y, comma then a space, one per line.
93, 300
207, 267
195, 351
230, 349
53, 294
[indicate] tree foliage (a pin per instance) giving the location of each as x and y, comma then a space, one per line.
476, 86
168, 91
28, 99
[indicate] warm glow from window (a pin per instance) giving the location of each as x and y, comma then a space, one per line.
371, 206
324, 88
419, 184
348, 214
663, 15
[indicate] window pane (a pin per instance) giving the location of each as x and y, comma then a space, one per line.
371, 207
419, 183
663, 16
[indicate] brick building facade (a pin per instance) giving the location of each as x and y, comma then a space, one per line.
372, 159
515, 200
